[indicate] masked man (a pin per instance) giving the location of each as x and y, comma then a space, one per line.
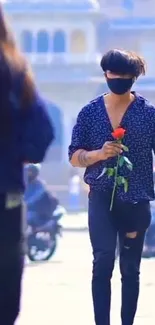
93, 147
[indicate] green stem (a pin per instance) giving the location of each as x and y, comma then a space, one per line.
115, 183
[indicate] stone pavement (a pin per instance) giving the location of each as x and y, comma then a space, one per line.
58, 292
75, 222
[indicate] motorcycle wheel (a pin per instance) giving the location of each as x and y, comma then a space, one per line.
33, 257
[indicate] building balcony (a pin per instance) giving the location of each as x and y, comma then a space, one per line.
62, 58
55, 69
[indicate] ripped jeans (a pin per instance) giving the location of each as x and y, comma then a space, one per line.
104, 227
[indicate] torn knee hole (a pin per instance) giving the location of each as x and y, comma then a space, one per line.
131, 235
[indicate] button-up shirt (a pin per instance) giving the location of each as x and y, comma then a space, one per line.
93, 128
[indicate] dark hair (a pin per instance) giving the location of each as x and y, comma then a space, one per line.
14, 57
123, 63
12, 65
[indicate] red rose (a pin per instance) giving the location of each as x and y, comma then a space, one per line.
118, 133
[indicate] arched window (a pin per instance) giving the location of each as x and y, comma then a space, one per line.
27, 41
78, 42
59, 42
43, 40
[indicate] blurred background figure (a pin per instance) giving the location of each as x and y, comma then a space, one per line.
74, 191
149, 247
43, 215
40, 202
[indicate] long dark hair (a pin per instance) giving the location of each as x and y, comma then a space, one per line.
12, 64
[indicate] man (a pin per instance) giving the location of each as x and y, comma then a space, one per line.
39, 202
92, 146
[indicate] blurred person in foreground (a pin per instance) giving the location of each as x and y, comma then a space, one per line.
40, 203
25, 134
93, 146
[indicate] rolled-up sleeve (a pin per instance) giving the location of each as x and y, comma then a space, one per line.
80, 134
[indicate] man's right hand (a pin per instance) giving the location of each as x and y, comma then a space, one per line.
83, 158
109, 150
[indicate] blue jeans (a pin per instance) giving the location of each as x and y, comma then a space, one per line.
103, 235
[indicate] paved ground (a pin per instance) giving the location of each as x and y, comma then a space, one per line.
75, 222
58, 292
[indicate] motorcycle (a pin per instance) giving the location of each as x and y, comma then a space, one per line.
41, 246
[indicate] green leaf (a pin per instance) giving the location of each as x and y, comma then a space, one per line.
125, 185
130, 167
110, 172
103, 172
125, 148
120, 180
128, 163
121, 161
123, 181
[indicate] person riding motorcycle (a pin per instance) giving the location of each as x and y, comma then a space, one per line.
39, 201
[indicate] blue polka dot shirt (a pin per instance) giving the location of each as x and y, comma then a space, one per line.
93, 129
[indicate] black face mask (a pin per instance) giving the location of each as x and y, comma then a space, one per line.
120, 86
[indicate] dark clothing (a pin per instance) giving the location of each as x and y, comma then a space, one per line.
93, 129
35, 197
31, 135
28, 129
12, 247
36, 132
25, 134
129, 217
12, 227
10, 289
40, 203
103, 234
